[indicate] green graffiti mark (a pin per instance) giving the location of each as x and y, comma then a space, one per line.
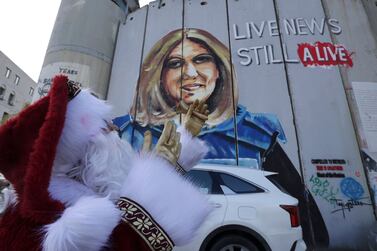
321, 188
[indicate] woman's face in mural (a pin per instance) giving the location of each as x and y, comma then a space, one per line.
195, 68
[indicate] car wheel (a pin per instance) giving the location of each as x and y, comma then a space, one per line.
233, 243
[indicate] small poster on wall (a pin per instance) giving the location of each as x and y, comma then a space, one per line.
75, 72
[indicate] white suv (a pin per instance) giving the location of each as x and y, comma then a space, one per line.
251, 213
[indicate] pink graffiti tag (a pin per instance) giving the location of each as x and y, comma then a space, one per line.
324, 54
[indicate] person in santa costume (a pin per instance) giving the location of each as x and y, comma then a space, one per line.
78, 186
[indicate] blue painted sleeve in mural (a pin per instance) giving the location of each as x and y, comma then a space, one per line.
254, 131
122, 122
267, 122
134, 133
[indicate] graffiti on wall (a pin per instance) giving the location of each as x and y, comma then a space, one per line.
318, 54
344, 198
321, 187
331, 184
76, 72
324, 54
344, 206
353, 192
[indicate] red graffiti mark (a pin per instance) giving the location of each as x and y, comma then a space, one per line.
357, 173
324, 54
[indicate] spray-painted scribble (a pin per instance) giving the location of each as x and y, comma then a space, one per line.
348, 205
321, 188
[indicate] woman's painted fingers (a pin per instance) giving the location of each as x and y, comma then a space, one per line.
147, 144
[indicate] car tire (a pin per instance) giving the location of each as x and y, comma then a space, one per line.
233, 243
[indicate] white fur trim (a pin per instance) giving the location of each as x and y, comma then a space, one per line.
175, 203
106, 164
85, 118
10, 198
193, 149
67, 191
86, 225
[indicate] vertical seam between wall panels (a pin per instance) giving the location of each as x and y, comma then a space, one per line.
182, 37
370, 25
289, 92
353, 120
112, 61
294, 123
231, 76
138, 79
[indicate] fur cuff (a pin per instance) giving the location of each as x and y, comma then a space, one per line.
193, 149
175, 203
86, 225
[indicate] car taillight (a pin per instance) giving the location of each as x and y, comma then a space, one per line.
293, 213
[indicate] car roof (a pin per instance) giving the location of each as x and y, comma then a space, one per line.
233, 169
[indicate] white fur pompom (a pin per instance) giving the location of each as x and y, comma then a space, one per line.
86, 225
85, 118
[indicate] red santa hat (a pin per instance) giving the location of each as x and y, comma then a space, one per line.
28, 145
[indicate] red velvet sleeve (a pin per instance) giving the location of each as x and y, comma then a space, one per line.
124, 238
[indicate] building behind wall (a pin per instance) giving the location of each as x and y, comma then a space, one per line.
16, 88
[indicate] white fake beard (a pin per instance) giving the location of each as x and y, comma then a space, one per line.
105, 166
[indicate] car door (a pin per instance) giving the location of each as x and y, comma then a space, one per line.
209, 185
243, 197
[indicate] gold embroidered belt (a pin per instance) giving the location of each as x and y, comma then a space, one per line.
143, 223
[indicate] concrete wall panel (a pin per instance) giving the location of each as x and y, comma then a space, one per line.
127, 61
325, 129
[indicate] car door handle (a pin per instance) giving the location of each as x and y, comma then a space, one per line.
216, 205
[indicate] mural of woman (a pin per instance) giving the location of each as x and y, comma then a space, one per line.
191, 64
203, 71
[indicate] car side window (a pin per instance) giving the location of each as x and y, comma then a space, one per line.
234, 185
202, 179
274, 180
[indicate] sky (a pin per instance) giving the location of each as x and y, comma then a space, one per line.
144, 2
25, 28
